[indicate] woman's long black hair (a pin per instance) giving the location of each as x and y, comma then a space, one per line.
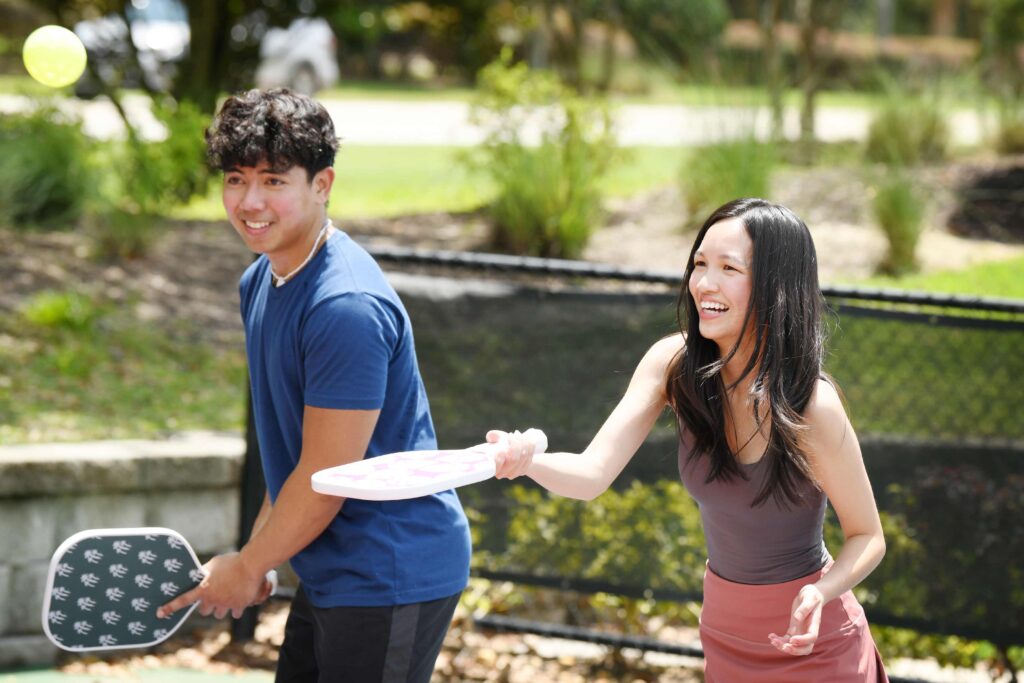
786, 307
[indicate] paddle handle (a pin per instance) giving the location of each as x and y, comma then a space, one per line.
538, 438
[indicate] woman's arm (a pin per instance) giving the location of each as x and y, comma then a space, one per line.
837, 463
588, 474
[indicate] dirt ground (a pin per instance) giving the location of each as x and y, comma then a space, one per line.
468, 655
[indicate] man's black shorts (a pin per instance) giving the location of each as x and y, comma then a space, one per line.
396, 644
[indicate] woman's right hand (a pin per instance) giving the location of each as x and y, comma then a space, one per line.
513, 453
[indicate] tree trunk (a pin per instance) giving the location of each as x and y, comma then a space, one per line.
886, 17
539, 41
575, 46
773, 66
612, 22
808, 53
200, 78
944, 14
813, 17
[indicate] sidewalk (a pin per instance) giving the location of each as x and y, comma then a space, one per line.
446, 123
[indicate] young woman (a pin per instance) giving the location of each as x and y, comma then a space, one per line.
764, 444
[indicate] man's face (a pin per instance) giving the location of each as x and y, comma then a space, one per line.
276, 211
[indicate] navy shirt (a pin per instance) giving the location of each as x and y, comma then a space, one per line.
337, 336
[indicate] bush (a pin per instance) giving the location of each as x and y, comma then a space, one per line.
718, 173
548, 198
157, 176
1010, 138
61, 310
907, 131
119, 235
898, 210
43, 169
170, 171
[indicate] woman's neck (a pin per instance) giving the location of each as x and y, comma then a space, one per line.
732, 371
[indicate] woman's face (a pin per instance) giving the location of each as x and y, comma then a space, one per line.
721, 282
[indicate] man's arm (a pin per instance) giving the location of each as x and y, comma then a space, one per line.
297, 517
261, 516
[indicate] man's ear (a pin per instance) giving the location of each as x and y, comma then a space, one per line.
323, 181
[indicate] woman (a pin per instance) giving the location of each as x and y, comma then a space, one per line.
764, 443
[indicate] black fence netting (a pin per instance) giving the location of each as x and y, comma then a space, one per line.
934, 387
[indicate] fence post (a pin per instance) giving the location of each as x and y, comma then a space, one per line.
251, 499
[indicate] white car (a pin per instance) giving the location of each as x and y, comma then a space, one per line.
302, 57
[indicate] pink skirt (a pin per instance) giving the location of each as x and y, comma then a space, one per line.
737, 618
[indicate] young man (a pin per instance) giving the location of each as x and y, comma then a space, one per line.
334, 379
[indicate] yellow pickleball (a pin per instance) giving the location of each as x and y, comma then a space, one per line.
54, 56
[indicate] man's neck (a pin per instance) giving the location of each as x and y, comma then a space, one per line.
292, 264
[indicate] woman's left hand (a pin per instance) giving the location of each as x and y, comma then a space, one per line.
803, 623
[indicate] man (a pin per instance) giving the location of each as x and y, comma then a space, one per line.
334, 379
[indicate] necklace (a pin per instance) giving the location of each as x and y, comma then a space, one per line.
281, 279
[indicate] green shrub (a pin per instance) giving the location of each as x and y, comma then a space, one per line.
61, 310
157, 175
906, 131
43, 169
119, 235
898, 210
549, 199
718, 173
170, 171
1010, 138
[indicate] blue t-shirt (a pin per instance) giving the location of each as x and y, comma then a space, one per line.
337, 336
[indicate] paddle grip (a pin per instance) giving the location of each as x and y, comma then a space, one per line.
538, 438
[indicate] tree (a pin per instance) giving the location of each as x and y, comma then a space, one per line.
678, 32
769, 22
210, 26
815, 18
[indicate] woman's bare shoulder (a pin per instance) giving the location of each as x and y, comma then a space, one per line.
825, 403
667, 348
662, 353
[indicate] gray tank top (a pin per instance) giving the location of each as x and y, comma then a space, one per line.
755, 545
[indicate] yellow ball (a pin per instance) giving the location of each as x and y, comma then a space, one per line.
54, 56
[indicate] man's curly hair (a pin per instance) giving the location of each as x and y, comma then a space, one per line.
278, 126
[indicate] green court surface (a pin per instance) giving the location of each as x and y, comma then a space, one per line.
134, 675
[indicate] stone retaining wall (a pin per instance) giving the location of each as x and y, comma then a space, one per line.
189, 483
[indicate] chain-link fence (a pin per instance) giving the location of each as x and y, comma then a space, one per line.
934, 386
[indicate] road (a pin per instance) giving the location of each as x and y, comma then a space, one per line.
446, 123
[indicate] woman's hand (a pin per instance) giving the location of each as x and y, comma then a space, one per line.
513, 453
803, 623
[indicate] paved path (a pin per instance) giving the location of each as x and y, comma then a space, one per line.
388, 122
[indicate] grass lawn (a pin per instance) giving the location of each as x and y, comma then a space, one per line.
999, 279
396, 180
73, 368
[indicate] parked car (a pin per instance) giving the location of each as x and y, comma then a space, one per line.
302, 56
160, 33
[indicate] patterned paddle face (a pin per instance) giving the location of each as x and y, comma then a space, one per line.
105, 585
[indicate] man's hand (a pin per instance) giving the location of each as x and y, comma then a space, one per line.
229, 586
